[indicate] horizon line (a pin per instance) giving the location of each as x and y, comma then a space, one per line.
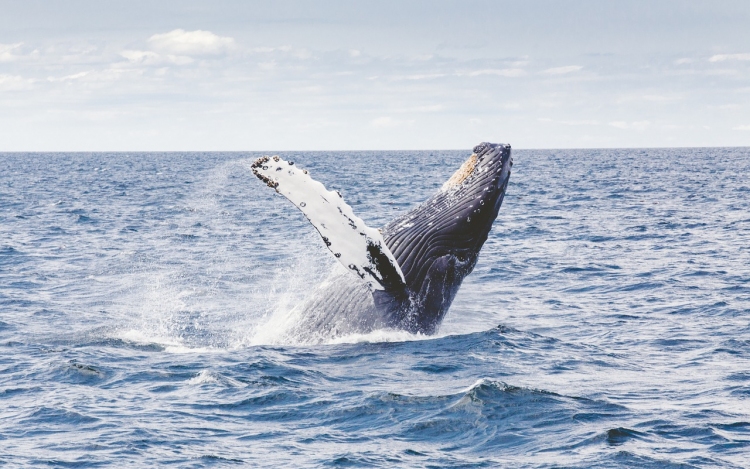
360, 150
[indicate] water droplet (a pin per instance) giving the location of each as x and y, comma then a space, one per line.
302, 204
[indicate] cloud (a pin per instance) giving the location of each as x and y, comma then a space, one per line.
430, 108
580, 122
6, 51
296, 52
74, 76
268, 50
637, 125
569, 122
147, 57
302, 53
742, 127
387, 122
418, 76
110, 74
658, 98
651, 98
427, 108
563, 70
721, 72
501, 72
683, 61
724, 57
14, 82
140, 56
180, 42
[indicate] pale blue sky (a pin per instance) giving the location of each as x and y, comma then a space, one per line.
347, 75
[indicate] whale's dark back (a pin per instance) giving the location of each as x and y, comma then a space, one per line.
437, 244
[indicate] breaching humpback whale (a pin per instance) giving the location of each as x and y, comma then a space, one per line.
405, 275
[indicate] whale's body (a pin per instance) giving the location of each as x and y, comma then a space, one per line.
406, 275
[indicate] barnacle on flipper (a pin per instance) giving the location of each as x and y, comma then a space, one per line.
259, 164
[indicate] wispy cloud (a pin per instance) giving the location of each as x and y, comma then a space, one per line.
580, 122
563, 70
181, 42
725, 57
421, 109
721, 72
140, 56
289, 51
387, 122
637, 125
268, 50
742, 127
14, 82
418, 76
147, 57
650, 98
569, 122
501, 72
6, 51
74, 76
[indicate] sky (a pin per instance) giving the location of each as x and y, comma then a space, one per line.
381, 75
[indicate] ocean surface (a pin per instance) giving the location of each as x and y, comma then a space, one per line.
606, 325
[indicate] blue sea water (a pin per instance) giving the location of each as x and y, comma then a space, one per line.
607, 323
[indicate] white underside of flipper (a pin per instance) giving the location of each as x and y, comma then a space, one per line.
358, 247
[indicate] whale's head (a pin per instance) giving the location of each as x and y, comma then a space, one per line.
437, 244
473, 195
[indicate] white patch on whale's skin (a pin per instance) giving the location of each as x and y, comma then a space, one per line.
344, 233
461, 174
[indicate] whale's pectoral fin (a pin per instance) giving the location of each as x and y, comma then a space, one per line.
355, 245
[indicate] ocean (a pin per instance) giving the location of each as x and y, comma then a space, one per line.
606, 324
